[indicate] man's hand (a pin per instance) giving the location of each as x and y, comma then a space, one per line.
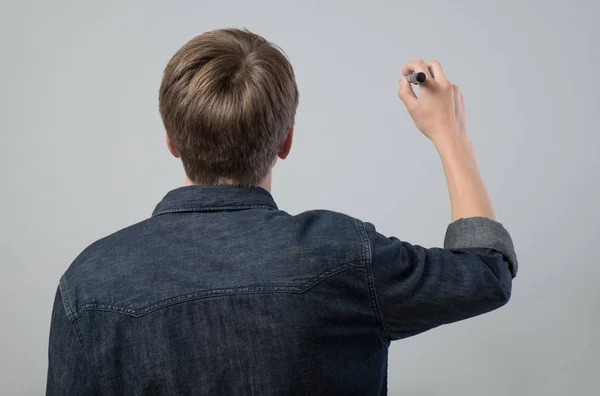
439, 112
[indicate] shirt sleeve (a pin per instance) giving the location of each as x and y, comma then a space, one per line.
68, 371
416, 288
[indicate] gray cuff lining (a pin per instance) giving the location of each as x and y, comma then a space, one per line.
481, 232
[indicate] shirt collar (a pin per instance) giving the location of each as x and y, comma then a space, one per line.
198, 198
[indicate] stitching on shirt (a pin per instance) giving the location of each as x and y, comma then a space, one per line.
373, 293
138, 312
65, 298
74, 325
213, 208
332, 271
70, 316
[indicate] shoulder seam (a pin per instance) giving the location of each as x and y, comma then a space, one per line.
368, 252
64, 298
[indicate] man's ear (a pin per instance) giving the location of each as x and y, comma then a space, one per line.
171, 147
285, 148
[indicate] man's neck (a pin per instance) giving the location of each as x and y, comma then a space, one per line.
266, 183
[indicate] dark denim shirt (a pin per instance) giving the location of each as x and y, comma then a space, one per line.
221, 293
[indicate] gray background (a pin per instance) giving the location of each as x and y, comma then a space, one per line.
83, 155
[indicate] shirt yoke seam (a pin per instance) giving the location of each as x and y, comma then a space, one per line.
219, 292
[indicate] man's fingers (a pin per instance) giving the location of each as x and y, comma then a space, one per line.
418, 66
406, 93
437, 71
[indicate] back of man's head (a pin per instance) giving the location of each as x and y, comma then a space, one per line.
228, 99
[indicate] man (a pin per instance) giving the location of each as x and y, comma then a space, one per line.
222, 293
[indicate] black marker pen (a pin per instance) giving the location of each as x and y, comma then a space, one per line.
416, 78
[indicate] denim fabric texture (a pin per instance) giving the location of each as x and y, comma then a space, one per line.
222, 293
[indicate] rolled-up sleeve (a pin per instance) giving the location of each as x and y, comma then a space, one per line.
416, 288
481, 232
